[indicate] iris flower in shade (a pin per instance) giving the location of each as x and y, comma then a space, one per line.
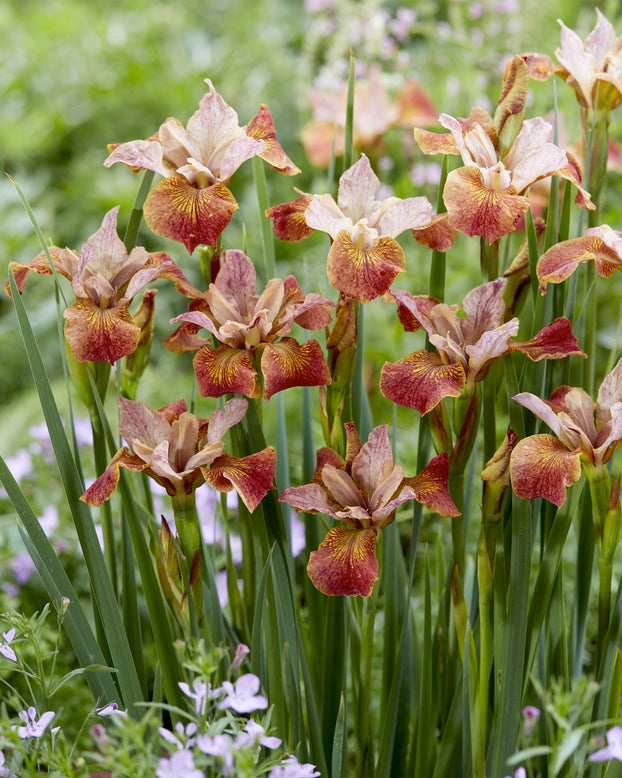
105, 279
192, 204
365, 257
587, 432
503, 156
600, 244
374, 115
593, 68
363, 492
180, 451
465, 346
253, 331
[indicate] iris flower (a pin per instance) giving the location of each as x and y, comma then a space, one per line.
180, 451
586, 432
600, 244
192, 204
253, 331
105, 280
503, 156
465, 346
593, 68
363, 491
365, 257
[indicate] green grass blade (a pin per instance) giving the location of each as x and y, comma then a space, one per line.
72, 483
58, 585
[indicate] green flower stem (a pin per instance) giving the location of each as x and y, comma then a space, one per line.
484, 577
189, 532
365, 753
489, 259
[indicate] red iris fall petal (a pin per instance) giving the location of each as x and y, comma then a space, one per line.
554, 341
96, 335
430, 486
477, 209
541, 466
225, 369
421, 380
345, 563
286, 364
288, 219
364, 273
181, 212
252, 475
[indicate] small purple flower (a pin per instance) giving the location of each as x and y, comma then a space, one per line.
186, 733
520, 772
200, 693
20, 465
98, 733
290, 767
219, 746
5, 648
243, 697
111, 710
240, 652
613, 749
255, 734
23, 567
34, 728
180, 765
531, 714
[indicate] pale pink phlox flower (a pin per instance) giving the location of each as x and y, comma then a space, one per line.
5, 648
290, 767
219, 746
180, 765
255, 734
613, 749
243, 697
34, 728
187, 733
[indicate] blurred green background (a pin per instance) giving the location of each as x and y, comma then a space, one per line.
76, 75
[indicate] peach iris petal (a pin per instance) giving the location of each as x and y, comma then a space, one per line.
97, 335
252, 476
477, 209
562, 259
541, 466
364, 272
288, 219
181, 212
345, 563
225, 369
106, 484
286, 364
555, 341
262, 128
421, 380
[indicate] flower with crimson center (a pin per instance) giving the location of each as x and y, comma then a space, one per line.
253, 332
363, 491
192, 204
587, 432
365, 257
105, 280
465, 346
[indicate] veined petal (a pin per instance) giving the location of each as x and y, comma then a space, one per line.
561, 260
225, 369
323, 214
491, 345
287, 363
357, 187
554, 341
288, 219
541, 466
140, 423
65, 261
430, 487
421, 380
223, 419
252, 476
484, 307
413, 213
435, 142
341, 486
609, 394
364, 273
374, 462
101, 489
181, 212
97, 335
476, 209
262, 128
539, 408
311, 498
139, 155
439, 234
537, 164
345, 562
